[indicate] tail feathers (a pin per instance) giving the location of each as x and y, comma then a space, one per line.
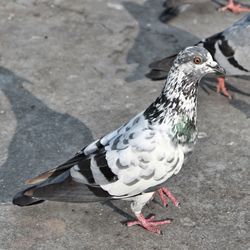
159, 69
22, 199
156, 75
53, 173
62, 188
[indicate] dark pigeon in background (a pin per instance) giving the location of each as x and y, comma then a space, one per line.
230, 48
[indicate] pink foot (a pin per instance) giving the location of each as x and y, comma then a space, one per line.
221, 88
235, 8
148, 224
165, 194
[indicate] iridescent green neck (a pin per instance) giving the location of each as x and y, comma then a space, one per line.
184, 130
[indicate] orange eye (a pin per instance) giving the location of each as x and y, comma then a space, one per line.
197, 60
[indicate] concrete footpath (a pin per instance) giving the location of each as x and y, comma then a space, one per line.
71, 71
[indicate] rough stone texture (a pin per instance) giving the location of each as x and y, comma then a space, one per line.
74, 70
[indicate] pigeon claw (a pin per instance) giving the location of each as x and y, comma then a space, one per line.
235, 8
221, 88
165, 194
149, 224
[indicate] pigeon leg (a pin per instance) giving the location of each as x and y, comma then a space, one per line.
221, 87
235, 8
149, 224
164, 194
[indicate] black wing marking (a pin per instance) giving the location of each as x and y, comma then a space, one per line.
209, 43
104, 168
224, 47
229, 52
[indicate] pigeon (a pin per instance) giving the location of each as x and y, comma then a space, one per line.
135, 160
174, 7
230, 48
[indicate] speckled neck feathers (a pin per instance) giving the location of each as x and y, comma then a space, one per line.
178, 99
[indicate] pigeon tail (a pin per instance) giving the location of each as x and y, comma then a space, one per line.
159, 69
22, 199
60, 188
157, 75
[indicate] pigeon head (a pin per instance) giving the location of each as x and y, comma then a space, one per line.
179, 95
197, 62
190, 65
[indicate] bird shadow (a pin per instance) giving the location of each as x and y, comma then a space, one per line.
116, 209
127, 216
43, 137
154, 39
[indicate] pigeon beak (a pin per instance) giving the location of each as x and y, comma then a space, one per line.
217, 69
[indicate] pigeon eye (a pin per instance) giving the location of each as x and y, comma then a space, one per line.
197, 60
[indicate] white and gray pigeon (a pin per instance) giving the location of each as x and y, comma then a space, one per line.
175, 7
135, 160
230, 48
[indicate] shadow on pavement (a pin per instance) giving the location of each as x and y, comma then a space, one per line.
42, 139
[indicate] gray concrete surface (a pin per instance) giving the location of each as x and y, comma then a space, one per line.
74, 70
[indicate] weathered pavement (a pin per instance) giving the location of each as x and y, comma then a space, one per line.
74, 70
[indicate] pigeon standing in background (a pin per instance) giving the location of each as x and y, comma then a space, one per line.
230, 48
174, 7
134, 161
